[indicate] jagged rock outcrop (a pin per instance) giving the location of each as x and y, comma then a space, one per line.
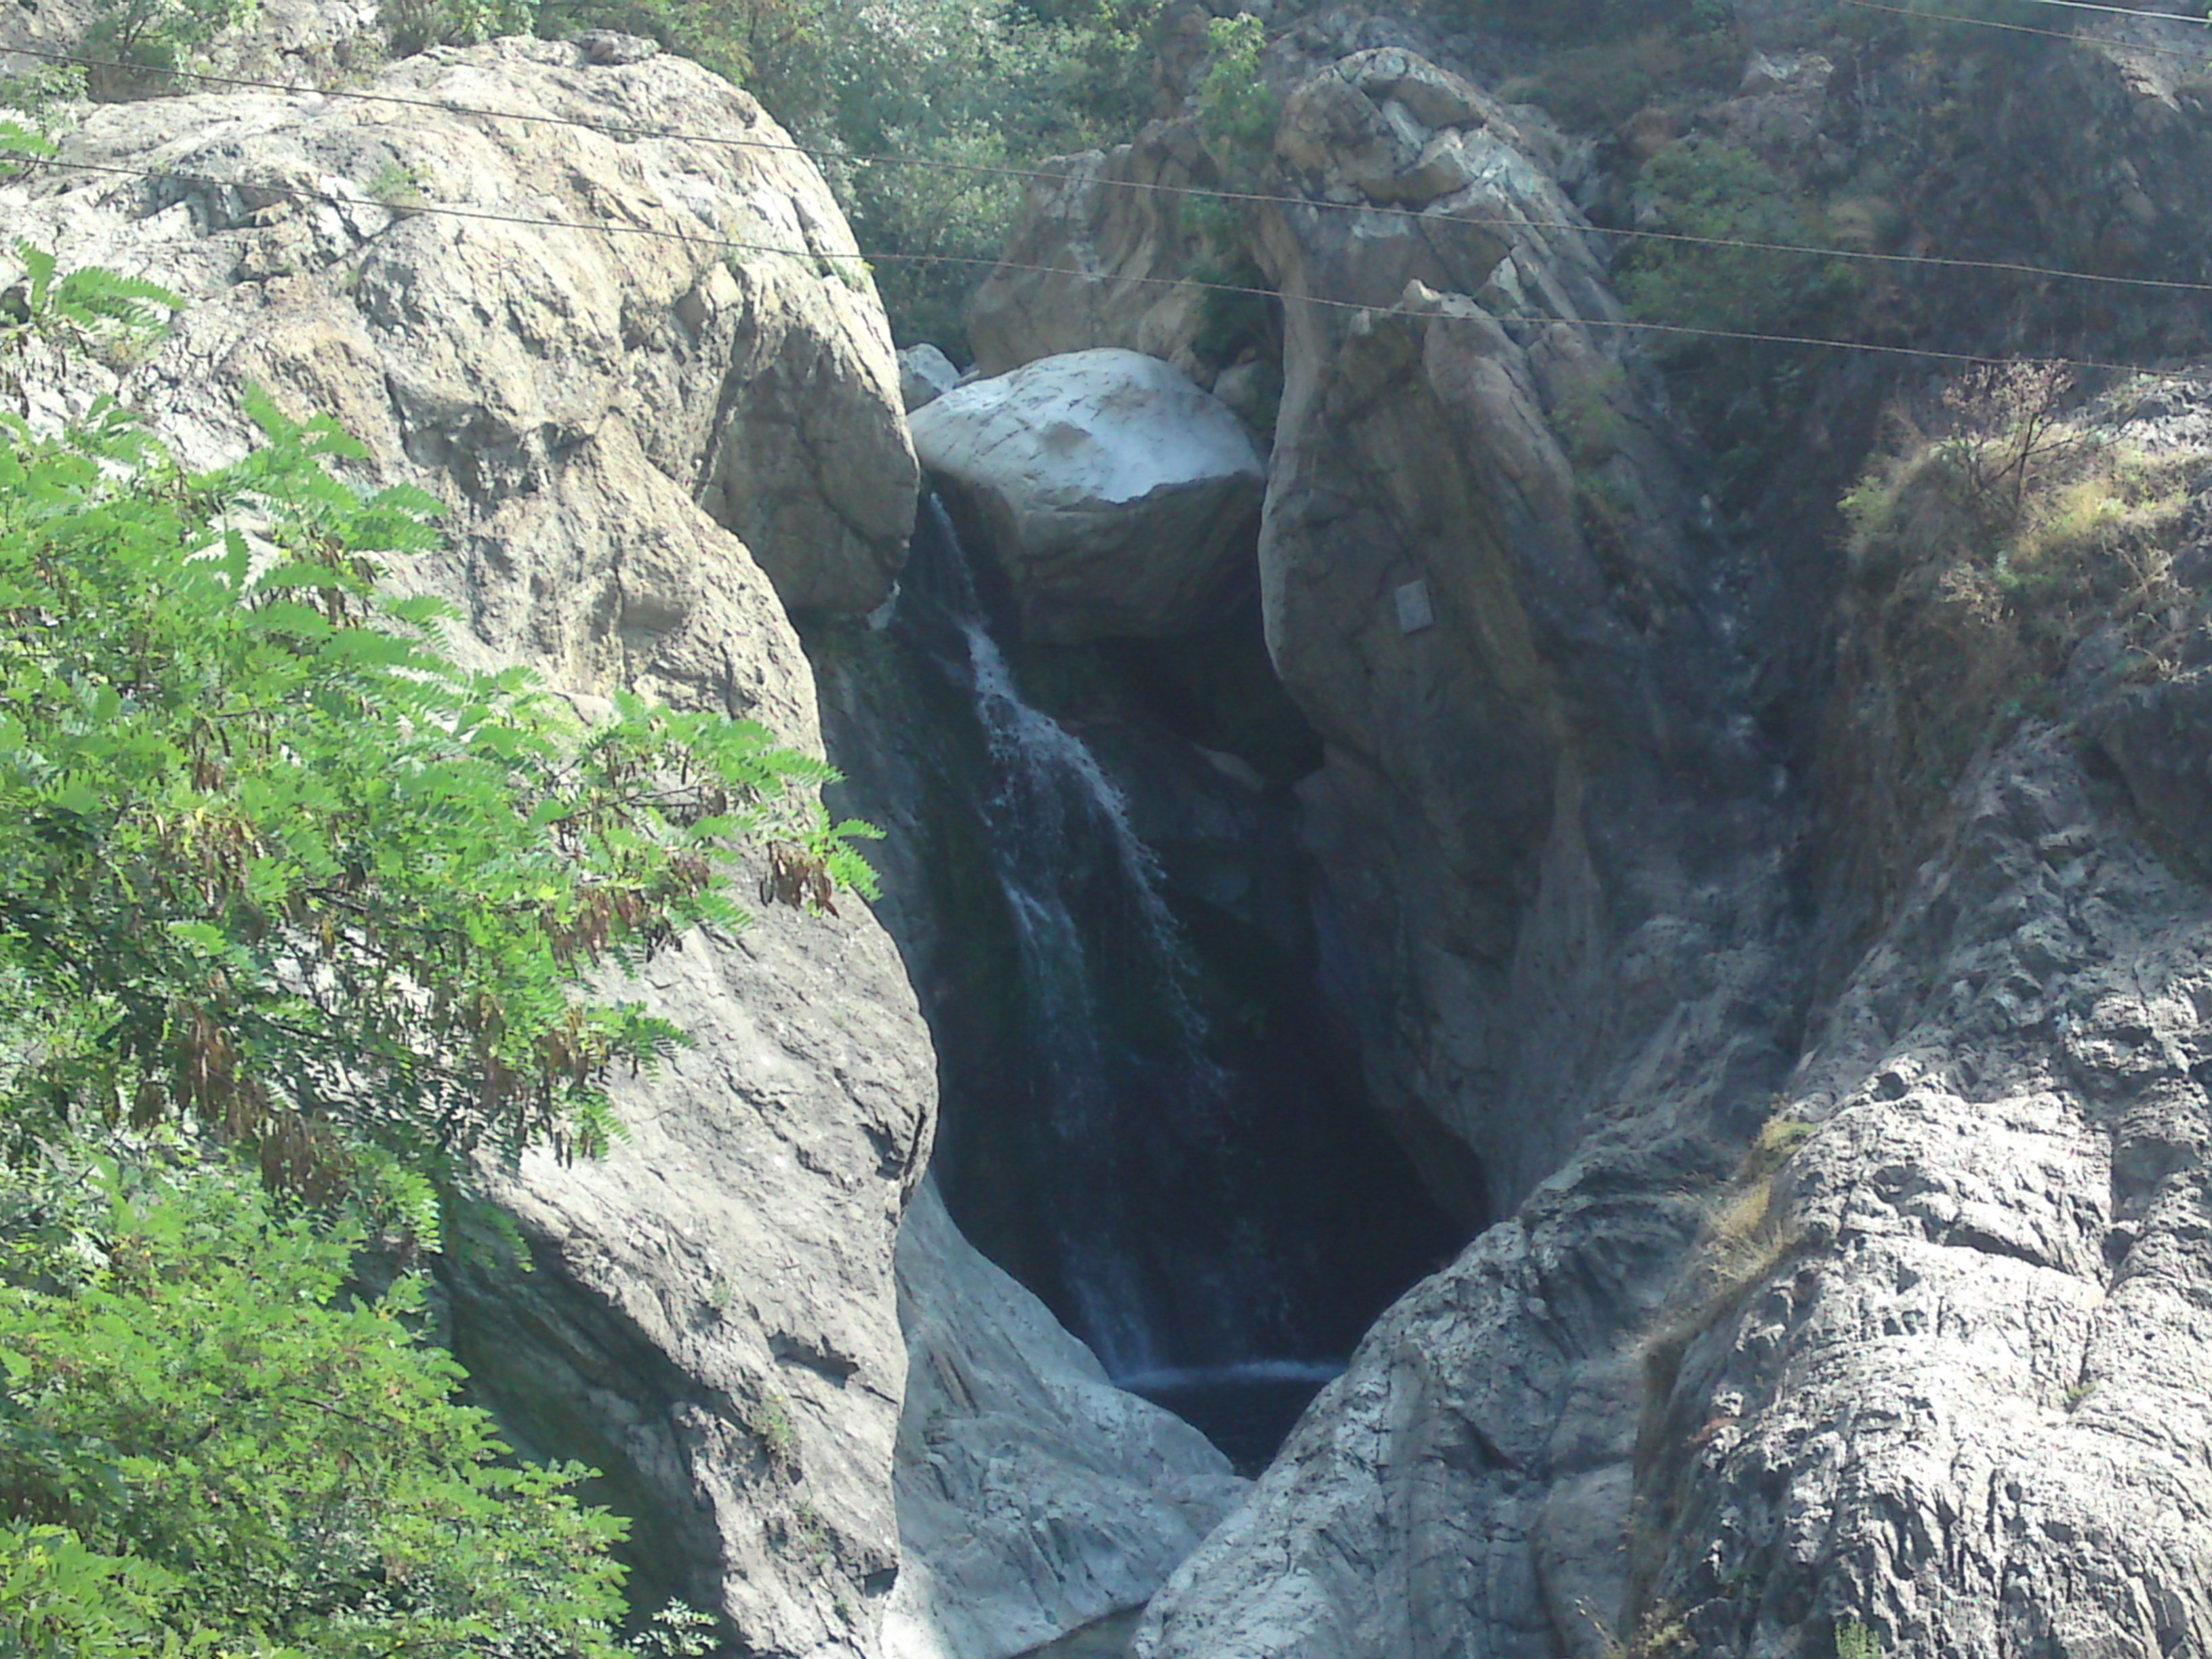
1964, 1404
1101, 256
1946, 1389
712, 1319
1543, 835
1118, 498
1035, 1497
1920, 1356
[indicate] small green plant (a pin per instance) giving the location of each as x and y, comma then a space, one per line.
116, 320
809, 1535
398, 186
770, 1423
1586, 414
1854, 1640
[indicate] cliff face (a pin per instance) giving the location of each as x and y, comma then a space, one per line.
1839, 1087
710, 1319
1796, 963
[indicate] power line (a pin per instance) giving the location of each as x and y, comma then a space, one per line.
1426, 220
2201, 55
730, 245
2122, 11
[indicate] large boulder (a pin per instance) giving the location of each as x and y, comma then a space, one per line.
1119, 499
1035, 1497
579, 355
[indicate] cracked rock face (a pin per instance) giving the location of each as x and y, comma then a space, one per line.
1969, 1407
637, 435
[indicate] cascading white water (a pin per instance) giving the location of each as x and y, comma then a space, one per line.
1060, 829
1159, 1130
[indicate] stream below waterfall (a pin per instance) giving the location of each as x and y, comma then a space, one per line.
1149, 1115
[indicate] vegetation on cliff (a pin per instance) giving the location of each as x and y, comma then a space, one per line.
299, 921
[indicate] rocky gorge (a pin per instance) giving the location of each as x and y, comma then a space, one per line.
1494, 1028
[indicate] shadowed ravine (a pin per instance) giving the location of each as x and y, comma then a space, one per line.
1179, 1163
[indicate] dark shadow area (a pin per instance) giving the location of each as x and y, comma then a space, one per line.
1152, 1116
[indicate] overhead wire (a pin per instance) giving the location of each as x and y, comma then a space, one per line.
2122, 11
1426, 220
2202, 55
725, 244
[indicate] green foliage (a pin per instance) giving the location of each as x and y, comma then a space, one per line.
1595, 86
1855, 1641
1741, 394
413, 25
1703, 189
204, 1448
1555, 22
396, 185
42, 90
142, 41
2015, 14
1586, 414
270, 863
987, 87
276, 874
1236, 109
80, 307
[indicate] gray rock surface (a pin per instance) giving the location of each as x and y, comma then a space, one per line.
925, 373
1035, 1498
1101, 255
1545, 841
712, 1319
1923, 1356
1119, 498
1968, 1407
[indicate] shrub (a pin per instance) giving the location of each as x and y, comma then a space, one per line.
413, 25
1997, 532
270, 864
1703, 188
1236, 109
202, 1441
142, 41
1596, 87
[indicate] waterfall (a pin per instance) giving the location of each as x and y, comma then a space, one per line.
1149, 1116
1114, 1034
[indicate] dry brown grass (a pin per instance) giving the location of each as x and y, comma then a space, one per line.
1994, 534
